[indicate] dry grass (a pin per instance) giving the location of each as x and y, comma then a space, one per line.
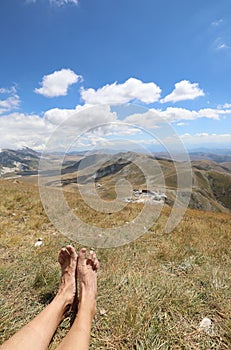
153, 292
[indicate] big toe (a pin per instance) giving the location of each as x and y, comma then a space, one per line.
71, 251
62, 256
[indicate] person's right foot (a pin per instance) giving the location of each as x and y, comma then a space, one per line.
68, 261
87, 278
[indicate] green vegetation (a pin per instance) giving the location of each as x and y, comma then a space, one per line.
152, 293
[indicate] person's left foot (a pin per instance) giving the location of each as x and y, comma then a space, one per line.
68, 261
87, 268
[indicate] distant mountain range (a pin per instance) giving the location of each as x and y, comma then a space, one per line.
216, 157
14, 161
211, 181
211, 174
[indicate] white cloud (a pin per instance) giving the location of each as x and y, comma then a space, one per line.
226, 105
184, 90
9, 103
7, 91
55, 2
206, 139
116, 93
153, 117
81, 118
177, 114
210, 113
172, 114
147, 120
18, 130
181, 124
217, 23
56, 116
63, 2
222, 46
57, 83
30, 1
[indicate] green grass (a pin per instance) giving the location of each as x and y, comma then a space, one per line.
152, 293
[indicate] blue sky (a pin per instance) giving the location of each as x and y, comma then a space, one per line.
170, 56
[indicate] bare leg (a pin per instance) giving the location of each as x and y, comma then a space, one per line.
38, 333
79, 335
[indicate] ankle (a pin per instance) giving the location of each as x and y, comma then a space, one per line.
64, 298
88, 305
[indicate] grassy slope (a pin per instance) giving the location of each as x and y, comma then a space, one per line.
153, 293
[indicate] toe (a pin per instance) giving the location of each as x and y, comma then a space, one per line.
90, 259
96, 265
71, 251
81, 255
95, 262
62, 256
91, 255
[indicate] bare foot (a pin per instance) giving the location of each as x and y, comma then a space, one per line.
87, 277
68, 262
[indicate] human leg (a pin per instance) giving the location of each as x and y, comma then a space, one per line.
38, 333
79, 335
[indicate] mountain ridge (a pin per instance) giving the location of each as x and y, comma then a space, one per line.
211, 180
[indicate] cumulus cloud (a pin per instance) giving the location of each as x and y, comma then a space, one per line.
96, 120
57, 83
147, 120
19, 129
95, 124
11, 102
226, 105
172, 114
82, 118
152, 117
116, 93
176, 114
184, 90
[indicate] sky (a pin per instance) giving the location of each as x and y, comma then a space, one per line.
60, 57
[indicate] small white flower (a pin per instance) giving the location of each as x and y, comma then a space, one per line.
205, 325
102, 312
38, 243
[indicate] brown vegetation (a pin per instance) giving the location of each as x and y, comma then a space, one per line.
153, 292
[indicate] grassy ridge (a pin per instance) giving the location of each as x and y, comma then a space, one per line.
152, 294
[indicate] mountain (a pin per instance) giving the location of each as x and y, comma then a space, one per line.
211, 180
14, 161
216, 156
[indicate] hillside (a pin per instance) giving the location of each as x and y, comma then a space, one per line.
211, 181
13, 162
153, 293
